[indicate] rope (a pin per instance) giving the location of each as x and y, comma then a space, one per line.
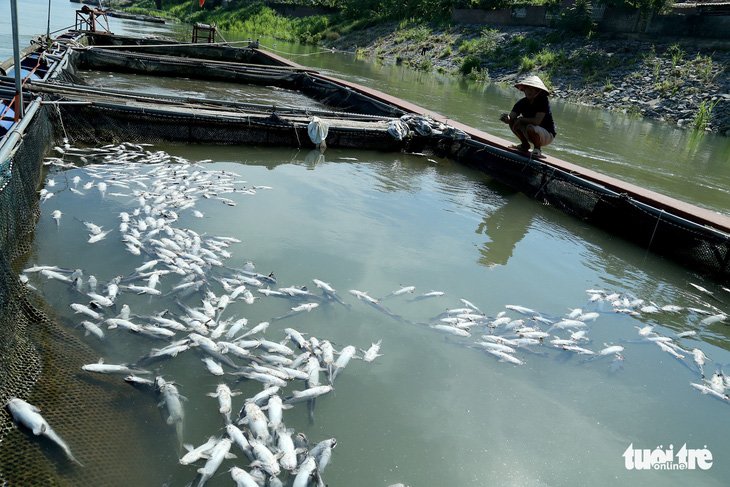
63, 29
324, 51
653, 233
60, 119
209, 44
177, 44
548, 178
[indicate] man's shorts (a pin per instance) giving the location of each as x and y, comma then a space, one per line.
545, 137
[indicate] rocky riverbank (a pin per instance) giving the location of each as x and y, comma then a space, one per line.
678, 82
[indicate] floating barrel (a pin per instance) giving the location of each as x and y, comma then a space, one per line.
7, 115
24, 73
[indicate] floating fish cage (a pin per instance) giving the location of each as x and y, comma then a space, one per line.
34, 351
362, 118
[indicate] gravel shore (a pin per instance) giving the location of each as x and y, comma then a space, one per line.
673, 81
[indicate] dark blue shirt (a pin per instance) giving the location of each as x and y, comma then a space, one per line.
539, 105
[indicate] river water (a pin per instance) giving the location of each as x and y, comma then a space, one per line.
435, 410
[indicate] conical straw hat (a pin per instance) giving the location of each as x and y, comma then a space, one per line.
533, 81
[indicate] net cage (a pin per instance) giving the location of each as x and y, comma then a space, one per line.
703, 249
105, 424
40, 357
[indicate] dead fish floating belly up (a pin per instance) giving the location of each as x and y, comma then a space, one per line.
403, 290
372, 353
195, 454
451, 330
29, 416
521, 309
705, 389
307, 394
122, 369
306, 307
428, 295
505, 357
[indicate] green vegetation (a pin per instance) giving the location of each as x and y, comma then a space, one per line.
633, 111
422, 27
484, 45
702, 67
469, 64
423, 64
675, 53
704, 115
577, 19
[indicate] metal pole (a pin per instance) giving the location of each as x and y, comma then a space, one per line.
16, 58
48, 28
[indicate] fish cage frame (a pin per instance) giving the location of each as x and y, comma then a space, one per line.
94, 20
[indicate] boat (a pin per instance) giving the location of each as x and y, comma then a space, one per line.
139, 17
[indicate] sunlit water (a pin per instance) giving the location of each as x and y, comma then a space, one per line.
433, 411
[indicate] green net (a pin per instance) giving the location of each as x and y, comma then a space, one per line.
102, 420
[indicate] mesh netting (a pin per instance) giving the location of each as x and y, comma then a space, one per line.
104, 421
92, 124
703, 249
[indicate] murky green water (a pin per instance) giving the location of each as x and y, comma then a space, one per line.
432, 410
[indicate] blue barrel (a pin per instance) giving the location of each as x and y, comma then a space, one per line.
23, 73
8, 117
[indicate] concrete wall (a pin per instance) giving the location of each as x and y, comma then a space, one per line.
535, 16
290, 10
619, 20
713, 27
608, 20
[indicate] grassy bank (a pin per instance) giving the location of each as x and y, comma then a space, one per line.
256, 19
662, 81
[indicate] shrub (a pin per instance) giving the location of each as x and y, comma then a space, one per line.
527, 64
577, 19
469, 63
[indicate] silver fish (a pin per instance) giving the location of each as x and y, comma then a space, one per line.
307, 394
195, 454
172, 400
306, 471
220, 452
505, 357
242, 477
122, 369
224, 395
28, 415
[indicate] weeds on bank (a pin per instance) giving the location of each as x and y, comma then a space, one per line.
417, 34
702, 67
423, 64
484, 45
469, 64
478, 74
151, 10
704, 115
633, 111
676, 54
668, 87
